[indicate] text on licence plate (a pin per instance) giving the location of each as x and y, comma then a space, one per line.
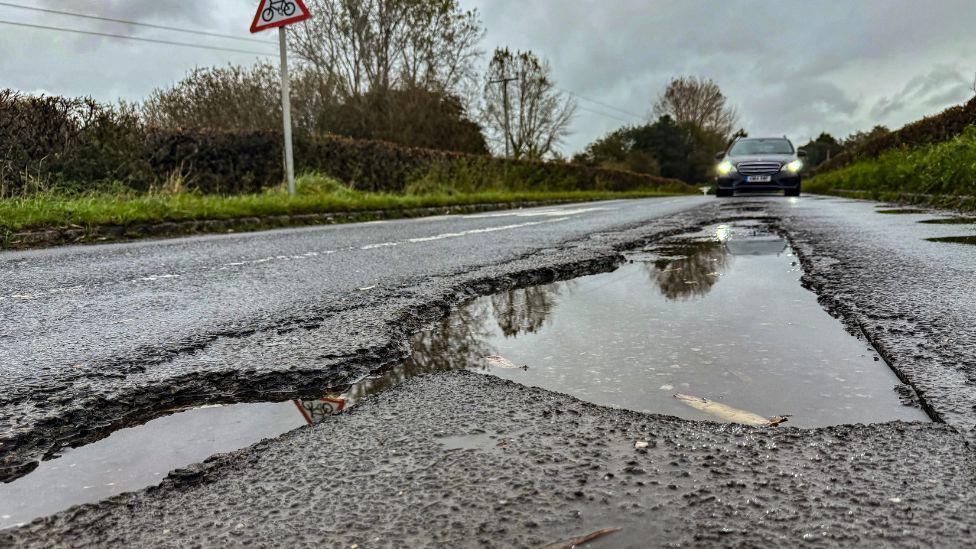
759, 178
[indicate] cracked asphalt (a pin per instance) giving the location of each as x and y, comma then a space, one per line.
95, 338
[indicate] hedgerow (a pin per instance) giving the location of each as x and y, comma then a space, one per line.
78, 145
942, 172
933, 129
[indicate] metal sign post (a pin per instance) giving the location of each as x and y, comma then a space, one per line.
280, 13
286, 110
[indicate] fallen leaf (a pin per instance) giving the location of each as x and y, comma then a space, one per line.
580, 540
499, 362
728, 413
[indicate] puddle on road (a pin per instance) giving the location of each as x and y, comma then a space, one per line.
719, 315
903, 211
950, 221
141, 456
970, 239
137, 457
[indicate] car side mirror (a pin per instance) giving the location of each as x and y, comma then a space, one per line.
801, 153
719, 155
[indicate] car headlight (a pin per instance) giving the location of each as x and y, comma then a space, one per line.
794, 166
725, 167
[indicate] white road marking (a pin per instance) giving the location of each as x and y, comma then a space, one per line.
557, 216
539, 213
444, 236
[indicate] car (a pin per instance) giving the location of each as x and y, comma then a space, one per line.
759, 164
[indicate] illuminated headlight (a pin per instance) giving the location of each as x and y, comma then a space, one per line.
793, 167
725, 167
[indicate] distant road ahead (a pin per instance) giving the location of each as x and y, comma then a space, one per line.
118, 303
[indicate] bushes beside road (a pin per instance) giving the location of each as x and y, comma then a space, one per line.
933, 129
939, 174
79, 146
74, 162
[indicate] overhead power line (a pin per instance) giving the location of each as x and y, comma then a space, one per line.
602, 104
136, 38
617, 118
136, 23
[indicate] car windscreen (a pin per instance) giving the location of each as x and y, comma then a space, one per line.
761, 146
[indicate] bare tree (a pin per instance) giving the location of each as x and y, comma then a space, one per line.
361, 46
236, 98
231, 98
698, 101
527, 115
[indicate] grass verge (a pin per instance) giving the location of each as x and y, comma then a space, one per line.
317, 195
940, 175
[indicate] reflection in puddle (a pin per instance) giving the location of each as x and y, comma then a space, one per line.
971, 239
316, 410
688, 270
718, 315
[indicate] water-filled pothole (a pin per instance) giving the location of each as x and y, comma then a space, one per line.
950, 221
903, 211
718, 316
968, 239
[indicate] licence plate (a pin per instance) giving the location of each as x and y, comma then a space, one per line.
759, 179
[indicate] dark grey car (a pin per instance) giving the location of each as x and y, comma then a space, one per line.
759, 164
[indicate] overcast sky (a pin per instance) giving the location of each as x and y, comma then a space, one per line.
793, 67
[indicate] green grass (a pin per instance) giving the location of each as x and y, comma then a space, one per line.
316, 194
942, 174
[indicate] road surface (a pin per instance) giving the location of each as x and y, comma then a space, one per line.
95, 338
103, 334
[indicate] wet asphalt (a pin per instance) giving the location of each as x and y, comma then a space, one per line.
92, 339
96, 337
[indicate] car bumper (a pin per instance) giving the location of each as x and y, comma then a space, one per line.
777, 182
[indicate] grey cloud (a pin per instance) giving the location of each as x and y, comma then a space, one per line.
173, 11
938, 88
793, 66
799, 67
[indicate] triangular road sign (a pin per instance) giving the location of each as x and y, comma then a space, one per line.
278, 13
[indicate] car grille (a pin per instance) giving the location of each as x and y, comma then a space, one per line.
759, 168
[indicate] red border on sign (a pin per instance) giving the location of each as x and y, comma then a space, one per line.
303, 14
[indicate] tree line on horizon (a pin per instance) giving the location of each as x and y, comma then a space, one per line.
404, 71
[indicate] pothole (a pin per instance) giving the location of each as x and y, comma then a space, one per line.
903, 211
950, 221
710, 326
719, 316
968, 239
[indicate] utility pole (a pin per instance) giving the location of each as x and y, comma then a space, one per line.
508, 132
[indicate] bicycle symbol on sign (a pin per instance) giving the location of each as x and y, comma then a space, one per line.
284, 7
